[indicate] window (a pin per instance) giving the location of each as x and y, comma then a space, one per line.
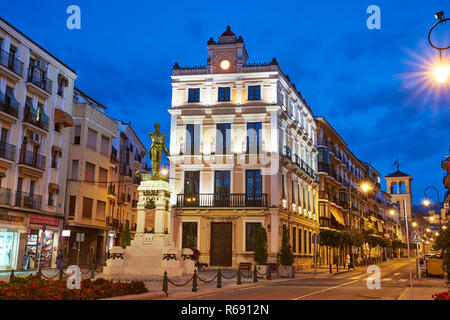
304, 199
222, 182
299, 240
283, 192
191, 182
293, 191
74, 175
298, 194
254, 93
224, 94
314, 204
305, 237
253, 137
251, 230
87, 208
103, 177
223, 138
77, 137
309, 200
72, 204
189, 238
294, 239
62, 84
56, 154
253, 182
310, 240
51, 201
101, 210
104, 145
194, 95
92, 139
89, 174
192, 139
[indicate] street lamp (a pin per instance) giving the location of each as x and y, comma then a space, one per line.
365, 187
414, 224
392, 212
433, 188
442, 69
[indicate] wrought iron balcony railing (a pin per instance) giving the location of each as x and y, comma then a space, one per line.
5, 196
12, 63
7, 151
39, 79
26, 200
32, 159
229, 200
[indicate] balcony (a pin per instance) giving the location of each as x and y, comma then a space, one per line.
112, 189
7, 151
5, 196
30, 117
39, 79
26, 200
9, 61
113, 156
32, 159
6, 107
111, 222
125, 170
232, 200
134, 203
287, 153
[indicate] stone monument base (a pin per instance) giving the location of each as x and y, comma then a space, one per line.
148, 256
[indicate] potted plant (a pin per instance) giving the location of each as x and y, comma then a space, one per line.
125, 237
287, 270
260, 255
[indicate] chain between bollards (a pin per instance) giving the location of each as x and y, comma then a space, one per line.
194, 281
255, 274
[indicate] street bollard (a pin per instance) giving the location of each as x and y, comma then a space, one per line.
194, 281
92, 271
239, 276
12, 276
255, 274
268, 273
165, 284
337, 267
331, 271
219, 279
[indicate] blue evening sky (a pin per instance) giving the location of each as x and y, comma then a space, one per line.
367, 83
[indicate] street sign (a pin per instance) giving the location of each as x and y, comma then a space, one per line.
80, 237
416, 238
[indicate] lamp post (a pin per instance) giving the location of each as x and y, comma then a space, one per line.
427, 202
442, 70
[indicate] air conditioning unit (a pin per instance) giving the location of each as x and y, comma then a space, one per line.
35, 138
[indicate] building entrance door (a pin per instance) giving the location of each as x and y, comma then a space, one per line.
221, 243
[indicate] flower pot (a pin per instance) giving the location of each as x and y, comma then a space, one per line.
287, 271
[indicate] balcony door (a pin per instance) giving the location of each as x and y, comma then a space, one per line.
222, 188
253, 188
191, 188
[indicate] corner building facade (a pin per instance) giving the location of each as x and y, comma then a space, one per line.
242, 150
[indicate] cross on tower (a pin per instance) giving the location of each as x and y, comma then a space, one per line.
397, 163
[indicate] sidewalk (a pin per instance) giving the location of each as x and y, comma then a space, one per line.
424, 288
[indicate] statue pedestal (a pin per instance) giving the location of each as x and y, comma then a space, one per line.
150, 254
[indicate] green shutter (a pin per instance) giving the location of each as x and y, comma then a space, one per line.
14, 103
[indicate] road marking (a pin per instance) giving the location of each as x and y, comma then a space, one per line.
387, 279
310, 294
356, 277
402, 280
396, 274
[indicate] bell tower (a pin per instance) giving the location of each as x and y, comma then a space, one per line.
228, 55
398, 185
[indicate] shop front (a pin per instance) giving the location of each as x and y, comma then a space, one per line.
12, 232
42, 236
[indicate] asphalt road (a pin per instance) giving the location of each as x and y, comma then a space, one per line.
345, 286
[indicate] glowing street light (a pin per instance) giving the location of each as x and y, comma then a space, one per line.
428, 230
441, 72
431, 218
365, 187
436, 234
414, 224
444, 227
426, 202
164, 171
392, 212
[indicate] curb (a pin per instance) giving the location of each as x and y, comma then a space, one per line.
139, 296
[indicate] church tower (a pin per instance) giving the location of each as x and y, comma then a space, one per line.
398, 185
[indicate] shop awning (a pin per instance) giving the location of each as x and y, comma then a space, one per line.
53, 187
337, 215
29, 104
63, 117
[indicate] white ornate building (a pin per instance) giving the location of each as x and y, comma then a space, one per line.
242, 147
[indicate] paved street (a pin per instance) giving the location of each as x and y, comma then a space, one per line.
350, 285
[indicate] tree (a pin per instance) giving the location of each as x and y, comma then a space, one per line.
125, 237
286, 255
261, 254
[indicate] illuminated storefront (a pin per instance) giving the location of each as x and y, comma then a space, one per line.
9, 244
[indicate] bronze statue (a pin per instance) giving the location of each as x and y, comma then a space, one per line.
156, 149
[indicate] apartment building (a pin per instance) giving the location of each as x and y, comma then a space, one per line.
35, 112
242, 150
129, 155
343, 202
88, 200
